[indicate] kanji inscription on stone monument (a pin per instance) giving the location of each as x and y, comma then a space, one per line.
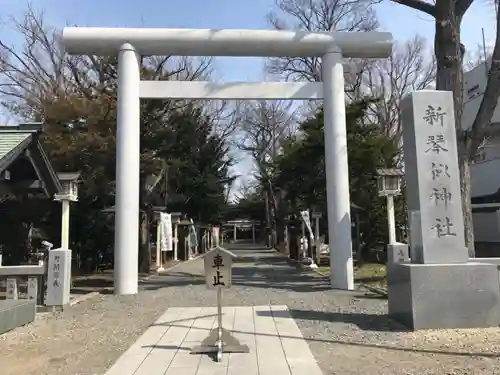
58, 277
432, 176
434, 115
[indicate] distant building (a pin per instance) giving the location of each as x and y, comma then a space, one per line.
485, 171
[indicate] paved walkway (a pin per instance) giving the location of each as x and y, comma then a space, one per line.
276, 344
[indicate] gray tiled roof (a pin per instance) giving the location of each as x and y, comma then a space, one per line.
390, 172
14, 140
10, 140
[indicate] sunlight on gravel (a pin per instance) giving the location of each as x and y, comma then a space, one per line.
478, 340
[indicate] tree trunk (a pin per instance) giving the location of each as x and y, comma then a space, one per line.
465, 188
449, 76
268, 217
144, 245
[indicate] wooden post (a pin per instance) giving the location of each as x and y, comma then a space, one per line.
287, 240
159, 260
188, 238
176, 241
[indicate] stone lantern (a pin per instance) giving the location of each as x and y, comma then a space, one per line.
389, 185
69, 193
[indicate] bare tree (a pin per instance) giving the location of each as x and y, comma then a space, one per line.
450, 53
245, 189
40, 82
264, 126
319, 15
41, 69
409, 68
476, 57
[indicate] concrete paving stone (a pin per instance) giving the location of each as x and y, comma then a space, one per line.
243, 326
169, 345
208, 362
214, 371
244, 332
305, 369
275, 369
243, 371
179, 329
285, 324
169, 351
276, 345
243, 360
297, 351
269, 349
181, 371
185, 359
264, 322
130, 361
202, 326
207, 324
271, 360
293, 348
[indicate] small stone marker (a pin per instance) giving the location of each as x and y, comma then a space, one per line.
397, 253
218, 264
432, 178
59, 277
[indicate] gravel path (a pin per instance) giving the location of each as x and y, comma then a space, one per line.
348, 332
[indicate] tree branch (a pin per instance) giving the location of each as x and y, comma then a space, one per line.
490, 97
420, 5
461, 6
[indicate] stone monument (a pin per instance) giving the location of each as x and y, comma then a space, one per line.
58, 277
439, 287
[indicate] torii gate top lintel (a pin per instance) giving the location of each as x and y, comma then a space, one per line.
210, 42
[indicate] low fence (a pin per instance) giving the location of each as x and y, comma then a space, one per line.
48, 283
23, 282
22, 288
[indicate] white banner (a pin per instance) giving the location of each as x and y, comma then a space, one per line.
215, 236
166, 237
307, 221
194, 236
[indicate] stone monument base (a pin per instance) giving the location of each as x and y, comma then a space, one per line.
427, 296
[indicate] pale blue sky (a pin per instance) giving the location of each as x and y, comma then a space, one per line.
404, 23
401, 21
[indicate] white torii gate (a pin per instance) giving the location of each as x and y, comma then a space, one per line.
130, 43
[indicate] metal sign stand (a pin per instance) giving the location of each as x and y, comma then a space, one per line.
219, 340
